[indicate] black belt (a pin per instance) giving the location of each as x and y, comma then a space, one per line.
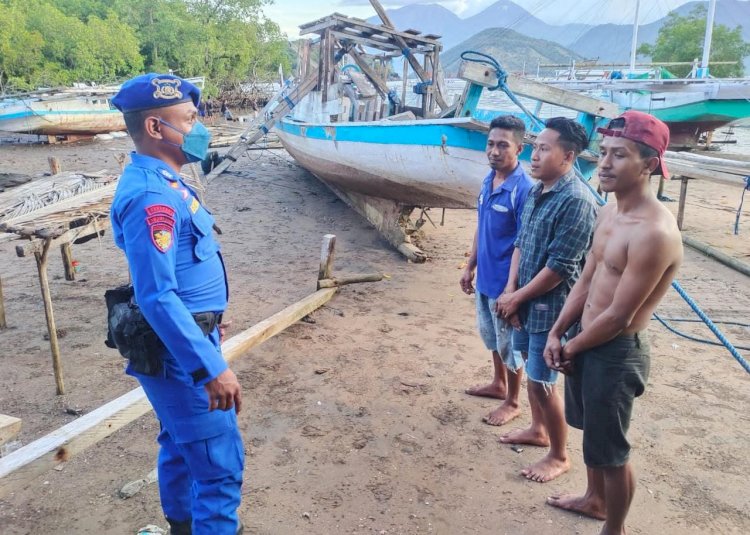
207, 321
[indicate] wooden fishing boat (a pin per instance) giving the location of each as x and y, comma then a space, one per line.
385, 158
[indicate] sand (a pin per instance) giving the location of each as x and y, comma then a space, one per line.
356, 422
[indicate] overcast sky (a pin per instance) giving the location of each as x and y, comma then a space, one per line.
291, 13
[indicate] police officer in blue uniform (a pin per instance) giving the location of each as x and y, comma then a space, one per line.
181, 288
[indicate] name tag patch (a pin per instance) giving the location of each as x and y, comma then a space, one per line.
500, 208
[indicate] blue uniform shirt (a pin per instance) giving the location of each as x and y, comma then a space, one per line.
174, 261
499, 213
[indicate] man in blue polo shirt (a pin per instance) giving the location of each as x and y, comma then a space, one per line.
499, 209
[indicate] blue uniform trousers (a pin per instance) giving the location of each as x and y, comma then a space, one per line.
201, 458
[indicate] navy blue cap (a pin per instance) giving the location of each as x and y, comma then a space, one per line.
153, 90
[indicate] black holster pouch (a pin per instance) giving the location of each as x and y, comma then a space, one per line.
129, 332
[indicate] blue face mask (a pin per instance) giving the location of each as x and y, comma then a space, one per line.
194, 143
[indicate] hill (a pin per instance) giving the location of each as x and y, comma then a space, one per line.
513, 50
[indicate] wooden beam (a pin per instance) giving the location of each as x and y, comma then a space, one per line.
376, 80
349, 279
9, 428
45, 453
692, 171
409, 56
349, 23
91, 229
561, 97
327, 251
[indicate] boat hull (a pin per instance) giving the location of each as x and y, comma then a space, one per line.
414, 163
65, 117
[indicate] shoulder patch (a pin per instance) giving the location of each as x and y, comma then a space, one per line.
160, 220
168, 175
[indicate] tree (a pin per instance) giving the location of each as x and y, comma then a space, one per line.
681, 39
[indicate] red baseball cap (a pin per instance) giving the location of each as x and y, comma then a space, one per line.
644, 128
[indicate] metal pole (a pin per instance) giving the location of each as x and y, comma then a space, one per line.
707, 40
634, 44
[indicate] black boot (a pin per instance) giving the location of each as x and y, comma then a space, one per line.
184, 527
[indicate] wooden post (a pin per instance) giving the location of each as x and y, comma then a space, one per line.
54, 165
403, 87
9, 428
683, 197
41, 264
326, 256
660, 191
3, 324
66, 250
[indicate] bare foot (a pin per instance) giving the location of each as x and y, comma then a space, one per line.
487, 391
502, 415
547, 469
579, 504
525, 436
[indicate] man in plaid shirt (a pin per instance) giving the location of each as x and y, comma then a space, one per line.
556, 229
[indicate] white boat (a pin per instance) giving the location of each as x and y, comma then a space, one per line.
65, 112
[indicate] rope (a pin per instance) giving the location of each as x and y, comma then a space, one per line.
739, 209
502, 77
663, 321
710, 324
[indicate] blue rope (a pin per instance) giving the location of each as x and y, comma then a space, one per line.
663, 321
502, 77
739, 209
710, 324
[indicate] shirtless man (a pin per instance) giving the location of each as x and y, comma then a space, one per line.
636, 252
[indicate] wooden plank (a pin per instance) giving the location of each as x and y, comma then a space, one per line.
60, 445
339, 22
327, 251
723, 165
561, 97
432, 36
678, 168
10, 426
93, 228
412, 31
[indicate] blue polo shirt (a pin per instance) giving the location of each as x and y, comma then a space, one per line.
499, 213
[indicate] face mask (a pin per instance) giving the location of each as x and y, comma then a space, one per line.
194, 143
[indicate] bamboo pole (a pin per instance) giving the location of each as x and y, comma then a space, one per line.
41, 264
717, 255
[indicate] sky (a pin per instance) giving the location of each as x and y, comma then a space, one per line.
289, 14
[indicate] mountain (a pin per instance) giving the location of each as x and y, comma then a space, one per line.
608, 42
435, 19
513, 50
611, 42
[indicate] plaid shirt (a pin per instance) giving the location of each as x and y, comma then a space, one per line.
556, 232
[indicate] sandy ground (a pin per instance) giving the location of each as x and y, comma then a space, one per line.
357, 422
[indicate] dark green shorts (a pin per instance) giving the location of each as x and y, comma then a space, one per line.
599, 397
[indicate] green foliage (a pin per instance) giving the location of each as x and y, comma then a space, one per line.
681, 39
58, 42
